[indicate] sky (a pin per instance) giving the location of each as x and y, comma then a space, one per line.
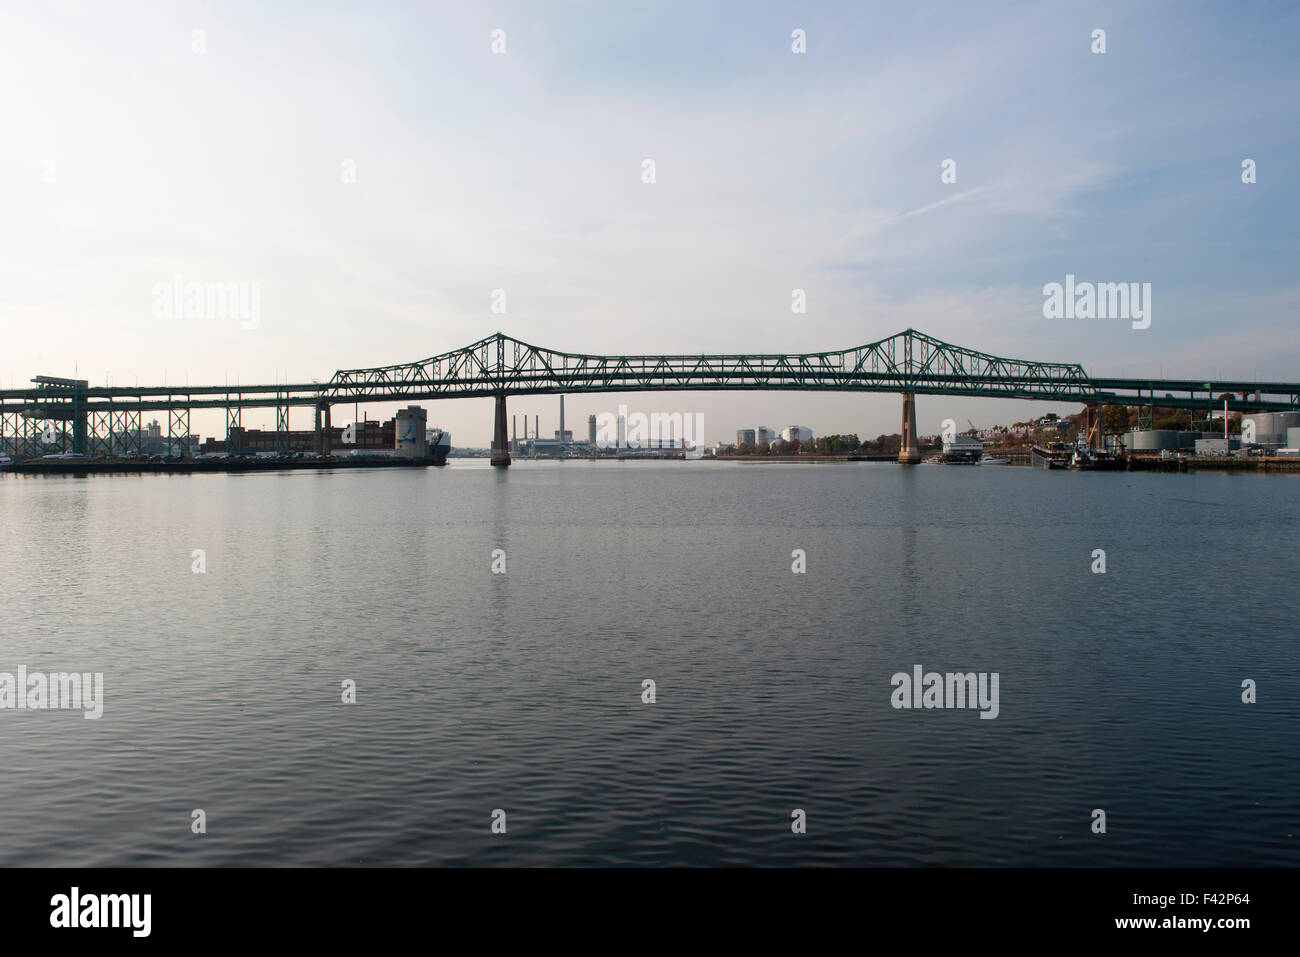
375, 171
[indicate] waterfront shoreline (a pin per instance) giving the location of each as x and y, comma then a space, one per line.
128, 467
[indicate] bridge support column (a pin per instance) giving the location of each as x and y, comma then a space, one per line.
500, 438
79, 430
910, 452
322, 436
282, 422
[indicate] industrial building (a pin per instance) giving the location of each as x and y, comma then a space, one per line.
406, 434
796, 433
1269, 432
1217, 445
1271, 428
763, 436
366, 434
411, 438
559, 444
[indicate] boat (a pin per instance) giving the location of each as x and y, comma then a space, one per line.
1085, 459
1054, 455
439, 442
961, 450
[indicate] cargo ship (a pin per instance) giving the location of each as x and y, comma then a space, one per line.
439, 443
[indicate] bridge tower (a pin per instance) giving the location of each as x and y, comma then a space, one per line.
910, 452
500, 438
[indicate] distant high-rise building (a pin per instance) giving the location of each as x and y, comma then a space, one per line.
591, 429
797, 433
745, 437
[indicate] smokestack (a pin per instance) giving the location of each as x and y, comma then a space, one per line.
537, 427
514, 430
561, 417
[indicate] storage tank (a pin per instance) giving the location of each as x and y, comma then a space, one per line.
409, 435
1283, 423
1155, 440
1271, 427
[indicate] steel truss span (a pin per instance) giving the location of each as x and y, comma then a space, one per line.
908, 362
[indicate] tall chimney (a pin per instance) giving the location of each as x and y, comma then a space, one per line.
561, 417
537, 427
514, 430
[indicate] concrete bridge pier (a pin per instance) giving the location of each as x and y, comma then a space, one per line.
323, 428
500, 438
910, 452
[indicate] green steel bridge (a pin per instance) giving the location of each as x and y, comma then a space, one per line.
909, 363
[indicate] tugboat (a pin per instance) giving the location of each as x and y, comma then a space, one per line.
1085, 459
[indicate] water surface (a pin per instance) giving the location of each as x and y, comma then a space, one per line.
522, 691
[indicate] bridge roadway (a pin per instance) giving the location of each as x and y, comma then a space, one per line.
909, 363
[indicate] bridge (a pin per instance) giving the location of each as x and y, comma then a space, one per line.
908, 363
